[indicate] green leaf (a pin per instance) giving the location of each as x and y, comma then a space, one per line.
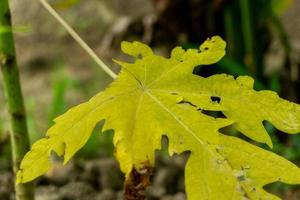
279, 6
156, 96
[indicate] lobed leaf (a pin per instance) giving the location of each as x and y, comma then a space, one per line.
156, 96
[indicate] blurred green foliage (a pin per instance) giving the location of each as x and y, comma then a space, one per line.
60, 83
64, 4
16, 29
279, 6
1, 128
249, 26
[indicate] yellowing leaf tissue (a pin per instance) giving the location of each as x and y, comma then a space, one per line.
156, 96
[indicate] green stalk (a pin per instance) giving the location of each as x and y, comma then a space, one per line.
11, 81
247, 27
229, 31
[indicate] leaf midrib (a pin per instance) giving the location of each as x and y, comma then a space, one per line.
188, 130
174, 116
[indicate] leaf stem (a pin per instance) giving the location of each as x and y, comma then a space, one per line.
78, 39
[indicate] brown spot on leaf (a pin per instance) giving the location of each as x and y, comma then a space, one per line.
137, 182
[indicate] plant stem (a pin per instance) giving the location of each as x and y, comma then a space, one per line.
19, 132
229, 31
78, 39
247, 27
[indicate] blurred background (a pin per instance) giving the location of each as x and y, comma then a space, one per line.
263, 39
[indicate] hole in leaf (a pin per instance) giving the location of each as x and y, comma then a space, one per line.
241, 178
139, 56
187, 102
215, 114
215, 99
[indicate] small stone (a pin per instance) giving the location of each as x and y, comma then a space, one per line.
179, 196
111, 176
6, 185
76, 190
120, 195
181, 184
47, 193
155, 192
61, 175
106, 194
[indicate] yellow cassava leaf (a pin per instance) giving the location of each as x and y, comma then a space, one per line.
156, 96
